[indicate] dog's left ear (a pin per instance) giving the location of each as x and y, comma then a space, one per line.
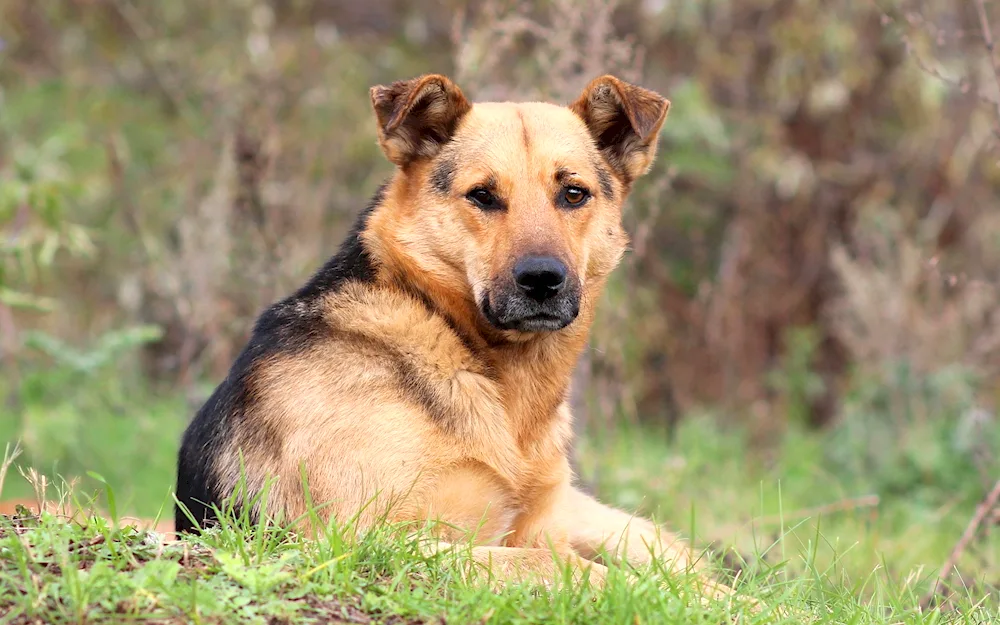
416, 117
625, 122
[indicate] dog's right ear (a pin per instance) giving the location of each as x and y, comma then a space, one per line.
416, 117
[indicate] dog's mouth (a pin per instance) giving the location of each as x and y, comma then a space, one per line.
521, 314
538, 323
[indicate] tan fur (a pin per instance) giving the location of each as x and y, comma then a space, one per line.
413, 399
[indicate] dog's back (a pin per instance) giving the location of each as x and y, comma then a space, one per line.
285, 328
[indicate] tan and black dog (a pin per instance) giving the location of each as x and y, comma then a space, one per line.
426, 366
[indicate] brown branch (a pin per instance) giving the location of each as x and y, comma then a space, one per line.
844, 505
142, 33
984, 23
984, 509
868, 501
963, 84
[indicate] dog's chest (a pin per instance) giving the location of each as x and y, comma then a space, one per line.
489, 506
473, 503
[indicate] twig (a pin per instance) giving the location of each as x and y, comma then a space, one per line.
984, 23
982, 511
9, 456
143, 33
963, 84
867, 501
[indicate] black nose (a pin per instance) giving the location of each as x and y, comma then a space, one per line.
541, 277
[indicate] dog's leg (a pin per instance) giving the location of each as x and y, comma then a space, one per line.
596, 530
502, 565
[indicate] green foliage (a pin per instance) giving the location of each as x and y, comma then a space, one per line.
802, 510
696, 139
38, 192
795, 380
96, 359
72, 423
868, 563
916, 435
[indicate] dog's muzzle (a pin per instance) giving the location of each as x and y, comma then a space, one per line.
541, 295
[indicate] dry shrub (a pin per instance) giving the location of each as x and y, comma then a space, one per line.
520, 50
824, 115
900, 304
262, 220
262, 163
919, 282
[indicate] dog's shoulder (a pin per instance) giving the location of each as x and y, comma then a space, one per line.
286, 330
296, 322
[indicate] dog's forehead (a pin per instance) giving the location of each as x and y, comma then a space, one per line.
532, 112
504, 130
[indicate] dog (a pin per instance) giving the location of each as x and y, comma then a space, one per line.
423, 372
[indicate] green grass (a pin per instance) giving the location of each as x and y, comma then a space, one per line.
90, 571
806, 528
63, 573
133, 446
59, 572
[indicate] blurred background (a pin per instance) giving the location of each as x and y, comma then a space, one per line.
808, 320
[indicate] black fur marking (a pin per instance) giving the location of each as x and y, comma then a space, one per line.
290, 326
195, 482
352, 262
404, 373
415, 386
563, 175
604, 179
443, 175
616, 135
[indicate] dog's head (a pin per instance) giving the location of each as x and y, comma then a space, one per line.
515, 206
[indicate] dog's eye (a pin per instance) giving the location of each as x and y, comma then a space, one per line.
484, 199
574, 196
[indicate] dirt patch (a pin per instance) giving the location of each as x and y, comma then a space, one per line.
338, 612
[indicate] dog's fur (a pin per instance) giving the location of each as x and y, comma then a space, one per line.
412, 370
